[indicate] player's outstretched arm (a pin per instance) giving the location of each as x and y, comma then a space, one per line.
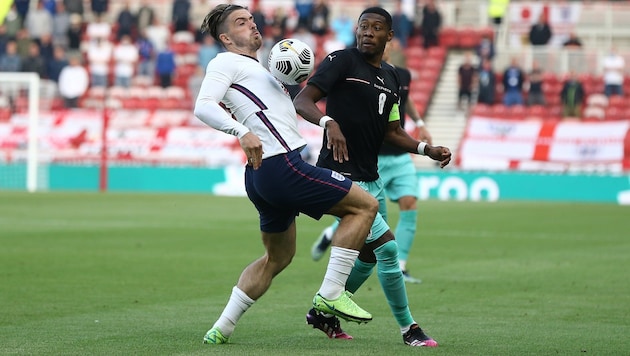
398, 137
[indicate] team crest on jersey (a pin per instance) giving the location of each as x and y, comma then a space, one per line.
338, 176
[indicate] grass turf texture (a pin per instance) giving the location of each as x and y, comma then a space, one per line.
122, 274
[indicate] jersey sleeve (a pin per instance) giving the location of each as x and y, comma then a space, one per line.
219, 76
331, 70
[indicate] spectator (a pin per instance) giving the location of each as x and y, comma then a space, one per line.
572, 96
487, 83
10, 61
485, 48
34, 62
50, 6
396, 53
540, 32
535, 95
73, 82
343, 27
318, 20
465, 76
303, 8
146, 52
144, 16
165, 66
181, 15
74, 7
74, 33
430, 26
98, 29
613, 65
279, 24
125, 59
496, 10
22, 7
303, 34
46, 47
513, 79
100, 7
573, 41
99, 54
39, 21
60, 26
56, 64
4, 39
402, 25
23, 41
126, 23
13, 21
207, 51
158, 34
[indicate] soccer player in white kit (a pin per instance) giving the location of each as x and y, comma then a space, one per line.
240, 97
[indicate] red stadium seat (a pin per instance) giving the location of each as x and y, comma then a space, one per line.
518, 112
500, 111
449, 37
481, 110
614, 113
469, 38
617, 101
537, 111
594, 113
597, 99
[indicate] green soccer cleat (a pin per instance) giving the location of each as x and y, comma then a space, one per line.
342, 307
215, 336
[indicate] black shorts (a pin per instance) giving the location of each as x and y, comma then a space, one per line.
285, 185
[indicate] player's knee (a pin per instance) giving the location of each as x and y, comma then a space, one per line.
387, 252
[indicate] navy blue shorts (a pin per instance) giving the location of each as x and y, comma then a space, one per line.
285, 186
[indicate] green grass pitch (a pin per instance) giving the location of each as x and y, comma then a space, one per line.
142, 274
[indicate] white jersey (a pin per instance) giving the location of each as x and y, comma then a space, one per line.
253, 96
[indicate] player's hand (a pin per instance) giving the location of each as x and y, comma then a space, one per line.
336, 141
253, 149
440, 154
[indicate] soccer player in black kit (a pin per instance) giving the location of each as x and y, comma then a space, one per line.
361, 112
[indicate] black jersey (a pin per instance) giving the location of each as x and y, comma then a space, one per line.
405, 82
362, 99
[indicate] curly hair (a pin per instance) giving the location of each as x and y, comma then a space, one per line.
213, 22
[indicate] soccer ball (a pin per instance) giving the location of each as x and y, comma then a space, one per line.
291, 61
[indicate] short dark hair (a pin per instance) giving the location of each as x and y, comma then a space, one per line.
214, 20
379, 11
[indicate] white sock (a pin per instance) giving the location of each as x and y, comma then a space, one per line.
404, 330
237, 305
403, 265
339, 267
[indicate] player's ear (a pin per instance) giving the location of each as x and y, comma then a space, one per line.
225, 39
390, 35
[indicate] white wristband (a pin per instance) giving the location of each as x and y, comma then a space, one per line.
421, 147
419, 123
324, 120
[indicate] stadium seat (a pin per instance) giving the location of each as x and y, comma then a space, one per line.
481, 110
469, 38
155, 91
597, 99
517, 112
500, 111
614, 113
118, 92
537, 111
415, 52
437, 52
449, 37
175, 92
594, 112
617, 101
